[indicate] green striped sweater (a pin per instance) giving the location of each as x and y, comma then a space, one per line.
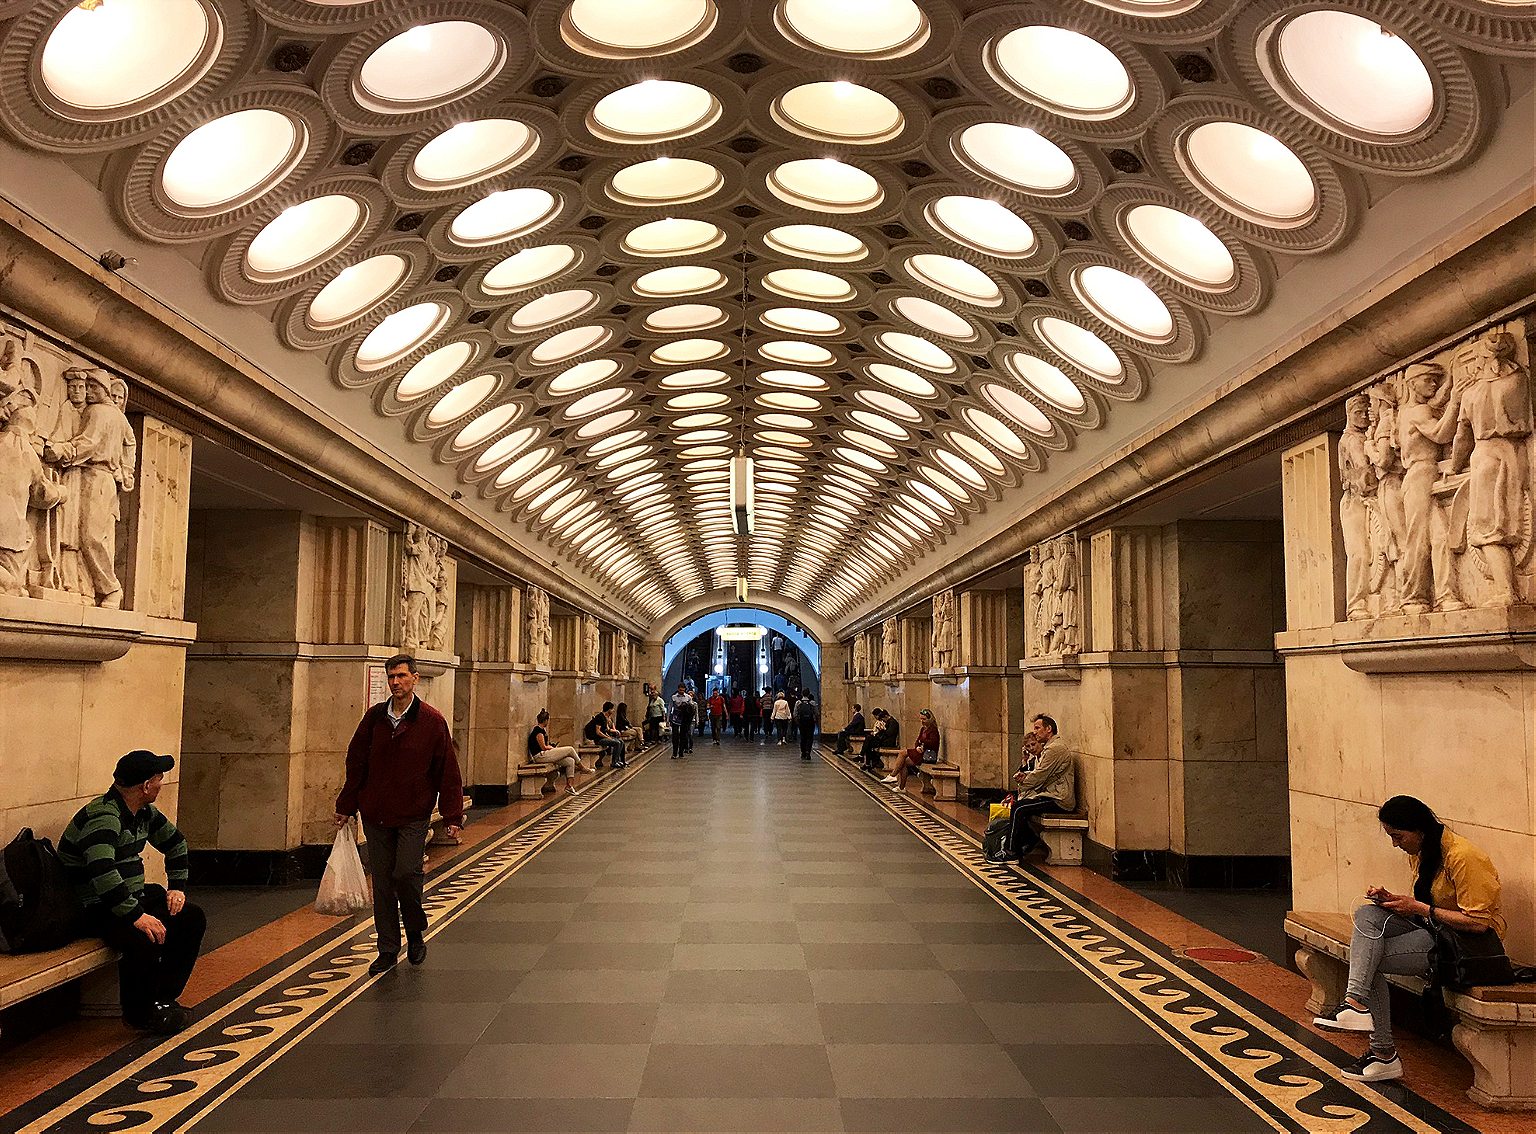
101, 849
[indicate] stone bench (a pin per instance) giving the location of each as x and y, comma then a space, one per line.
890, 758
942, 781
25, 975
856, 746
1495, 1025
534, 779
1063, 833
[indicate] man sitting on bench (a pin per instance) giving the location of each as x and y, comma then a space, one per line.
541, 751
887, 734
601, 733
156, 929
855, 727
1050, 786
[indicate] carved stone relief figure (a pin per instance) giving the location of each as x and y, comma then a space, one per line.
1066, 639
1425, 423
890, 648
538, 628
1388, 524
1496, 408
1051, 598
621, 657
24, 485
860, 656
589, 643
945, 636
1045, 598
1359, 484
438, 638
419, 584
1031, 601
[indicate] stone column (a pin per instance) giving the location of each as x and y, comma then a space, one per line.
154, 572
979, 704
567, 695
1314, 574
492, 712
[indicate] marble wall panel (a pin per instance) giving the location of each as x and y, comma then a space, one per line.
1335, 753
1230, 585
250, 784
1235, 808
1141, 805
248, 566
41, 721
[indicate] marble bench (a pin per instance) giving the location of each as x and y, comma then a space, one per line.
942, 781
1495, 1025
25, 975
534, 779
1063, 834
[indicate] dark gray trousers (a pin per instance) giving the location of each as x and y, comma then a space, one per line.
394, 864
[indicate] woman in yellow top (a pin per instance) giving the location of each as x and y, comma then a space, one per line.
1454, 885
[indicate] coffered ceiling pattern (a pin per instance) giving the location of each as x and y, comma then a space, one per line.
901, 252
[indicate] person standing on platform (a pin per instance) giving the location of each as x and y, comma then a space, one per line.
781, 715
400, 765
805, 721
682, 724
716, 717
156, 930
765, 707
738, 706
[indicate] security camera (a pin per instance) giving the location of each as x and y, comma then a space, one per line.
114, 261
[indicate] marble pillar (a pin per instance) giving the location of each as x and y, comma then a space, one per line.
978, 704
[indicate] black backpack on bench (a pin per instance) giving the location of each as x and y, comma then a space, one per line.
38, 908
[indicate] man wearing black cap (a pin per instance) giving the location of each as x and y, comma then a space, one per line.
157, 931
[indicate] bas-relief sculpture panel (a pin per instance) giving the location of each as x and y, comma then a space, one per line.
67, 453
539, 631
1436, 471
591, 641
1052, 589
946, 633
890, 649
425, 587
860, 656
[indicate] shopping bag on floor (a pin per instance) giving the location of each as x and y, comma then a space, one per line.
344, 888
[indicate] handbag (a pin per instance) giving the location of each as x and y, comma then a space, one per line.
1464, 960
1003, 810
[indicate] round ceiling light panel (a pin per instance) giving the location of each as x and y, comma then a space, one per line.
505, 448
569, 344
956, 279
464, 397
683, 279
1348, 72
672, 236
433, 370
1249, 173
901, 379
917, 350
1046, 380
809, 284
665, 181
929, 316
684, 317
302, 236
1124, 302
695, 379
995, 432
889, 404
792, 380
355, 290
1082, 348
1064, 71
399, 334
654, 110
128, 57
825, 185
470, 152
802, 321
583, 375
984, 225
1017, 157
1180, 246
816, 242
795, 353
529, 268
1018, 407
838, 111
502, 216
622, 30
688, 352
868, 28
548, 310
597, 401
428, 65
232, 159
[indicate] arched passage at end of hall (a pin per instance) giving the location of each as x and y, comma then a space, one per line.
693, 652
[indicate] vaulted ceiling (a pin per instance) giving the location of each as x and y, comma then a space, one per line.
905, 254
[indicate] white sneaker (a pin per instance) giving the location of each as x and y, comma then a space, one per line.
1343, 1018
1373, 1068
889, 780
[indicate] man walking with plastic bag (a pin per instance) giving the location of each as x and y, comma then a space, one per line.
344, 887
401, 763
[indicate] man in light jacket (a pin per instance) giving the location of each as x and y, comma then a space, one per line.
1051, 786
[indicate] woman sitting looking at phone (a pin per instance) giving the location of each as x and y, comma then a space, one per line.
1454, 885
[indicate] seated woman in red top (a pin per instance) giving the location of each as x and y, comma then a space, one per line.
925, 751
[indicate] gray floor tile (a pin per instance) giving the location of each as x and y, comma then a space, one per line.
726, 987
548, 1071
1142, 1070
589, 986
416, 1021
246, 1114
739, 932
902, 1023
884, 986
902, 1071
888, 957
622, 955
862, 933
635, 932
741, 955
1021, 956
526, 1116
1152, 1115
757, 1071
942, 1115
572, 1023
726, 1115
358, 1071
1110, 1023
738, 1024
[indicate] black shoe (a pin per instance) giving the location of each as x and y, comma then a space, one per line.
383, 963
416, 952
162, 1019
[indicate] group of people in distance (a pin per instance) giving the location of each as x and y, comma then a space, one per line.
776, 712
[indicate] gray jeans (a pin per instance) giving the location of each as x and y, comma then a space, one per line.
1384, 943
394, 863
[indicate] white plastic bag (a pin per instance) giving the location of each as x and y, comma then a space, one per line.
344, 888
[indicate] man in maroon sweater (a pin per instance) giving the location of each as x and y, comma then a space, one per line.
400, 763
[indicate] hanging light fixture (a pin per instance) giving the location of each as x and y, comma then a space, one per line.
743, 496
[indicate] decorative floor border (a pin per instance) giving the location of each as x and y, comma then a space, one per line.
176, 1083
1280, 1078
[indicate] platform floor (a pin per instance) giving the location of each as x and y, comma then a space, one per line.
736, 941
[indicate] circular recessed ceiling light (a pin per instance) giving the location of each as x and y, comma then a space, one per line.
1082, 348
503, 215
946, 484
547, 310
399, 334
683, 279
789, 400
129, 56
617, 441
672, 237
900, 378
687, 352
539, 481
684, 317
597, 402
504, 449
652, 111
701, 421
1249, 172
1349, 71
433, 370
867, 28
609, 30
470, 152
568, 344
232, 159
816, 242
355, 290
694, 379
792, 380
665, 181
1018, 407
428, 65
583, 375
963, 468
465, 397
303, 235
697, 400
838, 112
1017, 157
825, 185
795, 353
1063, 71
529, 268
983, 225
1124, 302
916, 350
995, 431
929, 316
1046, 380
802, 321
607, 423
879, 424
889, 404
1179, 245
807, 283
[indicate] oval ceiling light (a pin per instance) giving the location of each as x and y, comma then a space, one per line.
1017, 406
816, 242
917, 350
1349, 71
889, 404
792, 380
683, 279
529, 268
665, 181
1179, 245
688, 352
825, 185
548, 310
355, 290
130, 56
867, 28
1082, 348
433, 370
464, 397
868, 442
879, 424
654, 110
597, 401
506, 448
945, 483
537, 482
789, 400
902, 379
684, 317
503, 215
956, 279
399, 334
697, 400
802, 321
795, 353
609, 30
929, 316
303, 235
694, 379
701, 421
1046, 380
982, 224
784, 421
470, 152
1249, 172
233, 159
617, 441
1124, 302
672, 236
428, 65
1017, 157
963, 468
606, 424
619, 457
1063, 71
568, 344
583, 375
995, 431
860, 459
838, 111
807, 283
